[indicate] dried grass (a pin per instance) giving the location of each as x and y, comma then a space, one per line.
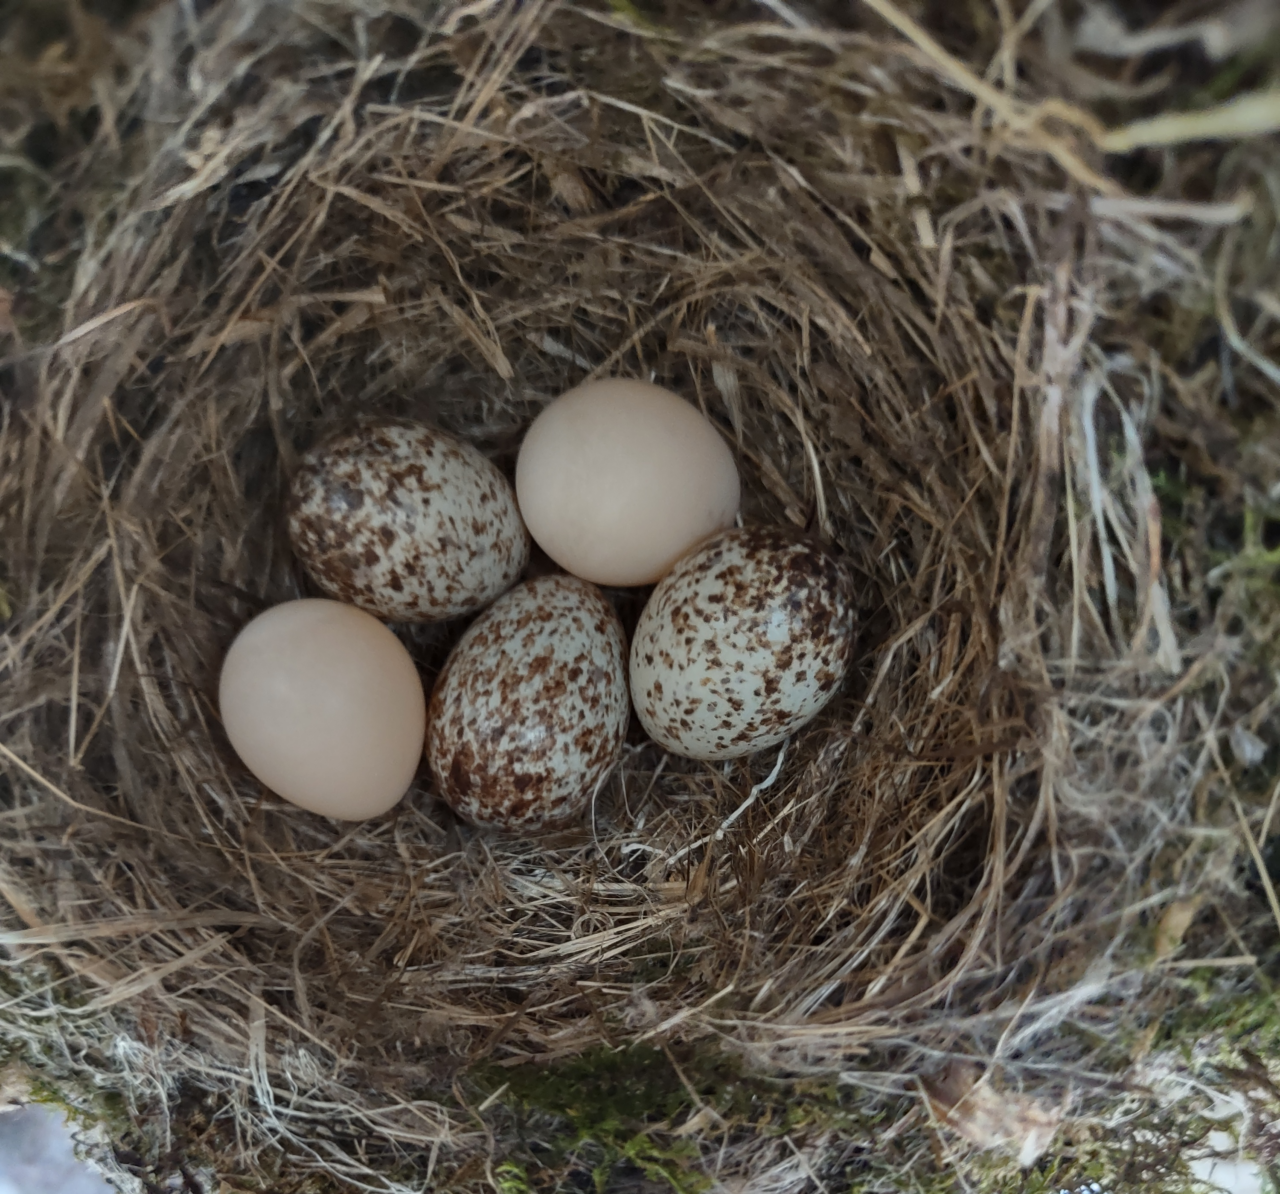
916, 304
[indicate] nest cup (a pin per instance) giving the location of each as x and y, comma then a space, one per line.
455, 220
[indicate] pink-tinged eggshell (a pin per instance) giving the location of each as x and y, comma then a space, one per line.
323, 704
530, 711
406, 522
746, 639
617, 479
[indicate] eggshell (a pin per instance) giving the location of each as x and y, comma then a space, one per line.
531, 709
742, 643
406, 522
323, 704
618, 479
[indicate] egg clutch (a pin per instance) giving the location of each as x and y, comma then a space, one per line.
746, 636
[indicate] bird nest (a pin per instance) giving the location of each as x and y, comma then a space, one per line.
916, 308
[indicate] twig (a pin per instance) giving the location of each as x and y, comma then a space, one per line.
763, 786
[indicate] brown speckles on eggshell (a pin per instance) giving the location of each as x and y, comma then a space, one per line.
406, 522
775, 617
530, 711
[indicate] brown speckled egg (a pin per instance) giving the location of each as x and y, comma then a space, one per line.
530, 712
406, 522
742, 643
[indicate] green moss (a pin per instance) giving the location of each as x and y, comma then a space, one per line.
1223, 1021
634, 13
614, 1108
1236, 73
1174, 492
603, 1088
512, 1178
609, 1116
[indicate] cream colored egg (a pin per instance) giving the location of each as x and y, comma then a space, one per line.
323, 704
618, 479
746, 639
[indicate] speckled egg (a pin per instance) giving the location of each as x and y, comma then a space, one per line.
742, 643
406, 522
530, 711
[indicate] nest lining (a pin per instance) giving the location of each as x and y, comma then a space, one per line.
920, 341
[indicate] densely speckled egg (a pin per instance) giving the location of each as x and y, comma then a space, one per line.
530, 711
742, 643
406, 522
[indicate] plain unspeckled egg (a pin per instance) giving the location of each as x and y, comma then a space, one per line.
323, 704
745, 640
530, 711
406, 522
618, 479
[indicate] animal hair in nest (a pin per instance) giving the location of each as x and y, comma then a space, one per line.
454, 215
